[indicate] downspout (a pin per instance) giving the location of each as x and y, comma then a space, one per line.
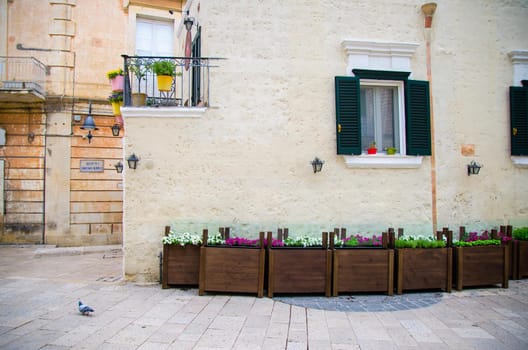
429, 10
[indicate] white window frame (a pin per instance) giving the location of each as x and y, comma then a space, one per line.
389, 56
400, 100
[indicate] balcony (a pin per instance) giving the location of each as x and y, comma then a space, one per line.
188, 91
22, 79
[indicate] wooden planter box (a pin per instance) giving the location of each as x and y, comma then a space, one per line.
363, 270
181, 265
520, 259
299, 270
234, 269
481, 266
420, 268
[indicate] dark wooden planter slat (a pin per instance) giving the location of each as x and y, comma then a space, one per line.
363, 270
481, 266
181, 265
299, 270
520, 250
421, 268
232, 269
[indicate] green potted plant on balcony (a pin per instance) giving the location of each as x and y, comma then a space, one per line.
165, 71
139, 68
481, 258
117, 79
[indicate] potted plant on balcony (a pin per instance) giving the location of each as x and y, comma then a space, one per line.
423, 262
117, 79
232, 265
520, 252
116, 99
181, 258
139, 68
289, 262
480, 259
391, 150
362, 263
165, 71
372, 148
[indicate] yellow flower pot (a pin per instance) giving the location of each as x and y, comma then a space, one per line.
164, 82
116, 108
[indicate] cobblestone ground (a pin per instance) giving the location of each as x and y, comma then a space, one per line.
39, 288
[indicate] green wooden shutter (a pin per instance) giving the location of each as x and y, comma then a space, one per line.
417, 118
348, 117
519, 121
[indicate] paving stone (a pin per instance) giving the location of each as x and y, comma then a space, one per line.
38, 310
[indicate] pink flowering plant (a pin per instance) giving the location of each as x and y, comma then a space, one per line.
360, 240
483, 238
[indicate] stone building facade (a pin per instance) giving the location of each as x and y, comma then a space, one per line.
58, 186
244, 162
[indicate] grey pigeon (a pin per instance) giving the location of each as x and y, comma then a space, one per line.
84, 309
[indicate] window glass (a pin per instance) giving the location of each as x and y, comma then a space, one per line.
379, 117
154, 38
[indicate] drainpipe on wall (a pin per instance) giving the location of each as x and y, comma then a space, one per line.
429, 10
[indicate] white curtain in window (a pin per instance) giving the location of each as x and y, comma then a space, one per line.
154, 38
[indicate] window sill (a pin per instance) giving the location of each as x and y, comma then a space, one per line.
163, 112
378, 161
520, 162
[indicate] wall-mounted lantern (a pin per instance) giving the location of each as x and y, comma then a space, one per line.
115, 129
119, 167
89, 124
132, 161
473, 168
317, 165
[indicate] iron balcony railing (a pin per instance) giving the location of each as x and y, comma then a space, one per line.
190, 86
23, 73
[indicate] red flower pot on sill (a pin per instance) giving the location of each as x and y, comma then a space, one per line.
372, 150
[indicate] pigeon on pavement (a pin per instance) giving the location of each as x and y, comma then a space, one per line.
84, 309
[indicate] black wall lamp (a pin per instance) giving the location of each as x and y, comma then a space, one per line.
317, 165
474, 168
188, 22
132, 161
119, 167
89, 124
115, 129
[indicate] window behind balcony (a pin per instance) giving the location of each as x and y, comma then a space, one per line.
154, 37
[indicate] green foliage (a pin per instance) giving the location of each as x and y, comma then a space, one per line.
117, 97
164, 67
114, 73
418, 242
521, 233
352, 242
481, 242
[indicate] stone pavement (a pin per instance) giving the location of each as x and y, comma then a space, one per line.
39, 287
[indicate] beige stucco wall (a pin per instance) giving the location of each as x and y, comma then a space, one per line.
246, 162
